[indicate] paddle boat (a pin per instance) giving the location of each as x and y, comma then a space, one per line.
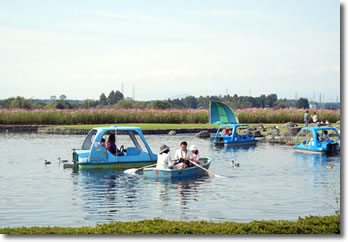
235, 135
220, 113
315, 140
192, 171
135, 151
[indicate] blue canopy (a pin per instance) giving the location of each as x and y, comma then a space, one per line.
220, 113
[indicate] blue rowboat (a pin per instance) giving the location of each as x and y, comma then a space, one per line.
192, 171
137, 153
237, 138
311, 140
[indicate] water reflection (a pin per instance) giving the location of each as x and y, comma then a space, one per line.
105, 192
272, 182
316, 160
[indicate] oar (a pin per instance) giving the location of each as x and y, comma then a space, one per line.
204, 169
132, 171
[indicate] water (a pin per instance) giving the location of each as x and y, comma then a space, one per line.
273, 182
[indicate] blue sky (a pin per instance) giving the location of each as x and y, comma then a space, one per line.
165, 48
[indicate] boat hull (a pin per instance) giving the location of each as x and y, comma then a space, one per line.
241, 143
192, 171
114, 165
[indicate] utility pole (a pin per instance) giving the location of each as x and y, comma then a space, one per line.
122, 89
133, 92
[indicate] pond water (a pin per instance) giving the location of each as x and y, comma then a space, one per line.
272, 182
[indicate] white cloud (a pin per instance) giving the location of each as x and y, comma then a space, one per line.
282, 71
327, 68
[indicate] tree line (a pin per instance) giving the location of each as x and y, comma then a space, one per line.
116, 99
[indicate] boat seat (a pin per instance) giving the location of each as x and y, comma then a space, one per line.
132, 151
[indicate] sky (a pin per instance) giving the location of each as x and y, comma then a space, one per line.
165, 48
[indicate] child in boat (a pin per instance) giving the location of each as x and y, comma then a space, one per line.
228, 132
102, 142
326, 135
195, 154
164, 161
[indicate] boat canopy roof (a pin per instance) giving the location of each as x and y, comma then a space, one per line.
220, 113
315, 129
112, 128
233, 125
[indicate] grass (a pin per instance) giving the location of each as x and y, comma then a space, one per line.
307, 225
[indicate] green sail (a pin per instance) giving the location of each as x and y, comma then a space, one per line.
220, 113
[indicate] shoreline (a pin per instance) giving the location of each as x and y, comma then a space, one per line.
307, 225
45, 129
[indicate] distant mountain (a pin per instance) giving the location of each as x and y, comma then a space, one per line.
179, 96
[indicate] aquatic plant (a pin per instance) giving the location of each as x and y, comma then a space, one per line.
104, 116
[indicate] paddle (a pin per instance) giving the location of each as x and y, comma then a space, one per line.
204, 169
132, 171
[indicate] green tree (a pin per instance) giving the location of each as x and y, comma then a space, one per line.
103, 100
302, 103
271, 99
62, 97
190, 102
161, 104
114, 97
124, 104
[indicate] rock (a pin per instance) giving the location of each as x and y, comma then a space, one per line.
289, 125
172, 132
279, 139
257, 133
273, 132
285, 133
258, 127
294, 130
203, 134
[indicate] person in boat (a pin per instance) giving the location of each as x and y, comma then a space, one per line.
195, 154
164, 161
326, 136
111, 146
228, 132
182, 154
102, 142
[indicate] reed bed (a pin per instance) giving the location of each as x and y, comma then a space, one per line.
176, 116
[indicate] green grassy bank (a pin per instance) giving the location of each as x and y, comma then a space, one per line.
307, 225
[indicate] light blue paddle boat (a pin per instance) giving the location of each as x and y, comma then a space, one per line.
314, 142
193, 171
136, 152
236, 138
220, 113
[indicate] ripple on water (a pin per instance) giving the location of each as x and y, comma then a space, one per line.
272, 182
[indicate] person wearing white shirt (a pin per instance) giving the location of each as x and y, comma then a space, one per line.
315, 118
183, 153
164, 161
